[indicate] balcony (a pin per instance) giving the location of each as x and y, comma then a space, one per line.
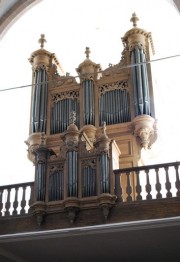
145, 217
140, 193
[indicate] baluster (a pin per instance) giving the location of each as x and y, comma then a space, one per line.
1, 201
118, 188
138, 187
158, 184
177, 183
8, 203
128, 188
148, 186
15, 203
31, 198
23, 201
168, 183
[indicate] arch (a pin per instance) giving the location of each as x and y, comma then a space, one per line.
12, 12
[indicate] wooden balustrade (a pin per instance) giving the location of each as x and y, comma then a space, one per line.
147, 182
131, 184
16, 199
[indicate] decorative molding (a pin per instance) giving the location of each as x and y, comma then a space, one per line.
39, 211
34, 141
61, 80
72, 207
84, 152
122, 84
73, 94
56, 168
91, 162
102, 143
145, 130
71, 138
106, 202
138, 46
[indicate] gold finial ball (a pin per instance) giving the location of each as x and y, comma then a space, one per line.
134, 19
42, 40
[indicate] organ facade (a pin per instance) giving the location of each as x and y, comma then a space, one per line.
81, 128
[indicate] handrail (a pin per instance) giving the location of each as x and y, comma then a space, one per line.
17, 185
140, 168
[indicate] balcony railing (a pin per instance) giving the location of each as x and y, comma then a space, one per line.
16, 199
147, 182
131, 184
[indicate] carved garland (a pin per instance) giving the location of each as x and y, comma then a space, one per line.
112, 86
64, 95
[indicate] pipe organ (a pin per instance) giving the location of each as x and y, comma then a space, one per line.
79, 129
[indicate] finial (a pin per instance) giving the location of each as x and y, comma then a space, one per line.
42, 40
134, 19
87, 52
72, 117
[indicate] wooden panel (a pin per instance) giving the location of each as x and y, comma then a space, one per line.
125, 147
126, 164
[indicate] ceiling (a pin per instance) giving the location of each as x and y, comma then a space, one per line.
148, 240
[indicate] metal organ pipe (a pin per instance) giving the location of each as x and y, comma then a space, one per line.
39, 112
40, 174
114, 107
60, 113
104, 173
56, 186
88, 102
140, 82
72, 173
89, 181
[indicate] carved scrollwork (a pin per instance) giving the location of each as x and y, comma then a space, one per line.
89, 163
137, 45
83, 149
56, 168
112, 86
64, 95
72, 145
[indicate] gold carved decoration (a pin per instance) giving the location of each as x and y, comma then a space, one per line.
112, 86
65, 95
91, 162
56, 168
145, 130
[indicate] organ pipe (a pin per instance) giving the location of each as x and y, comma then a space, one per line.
40, 174
140, 82
60, 113
114, 107
89, 181
72, 173
88, 102
39, 112
56, 186
104, 173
